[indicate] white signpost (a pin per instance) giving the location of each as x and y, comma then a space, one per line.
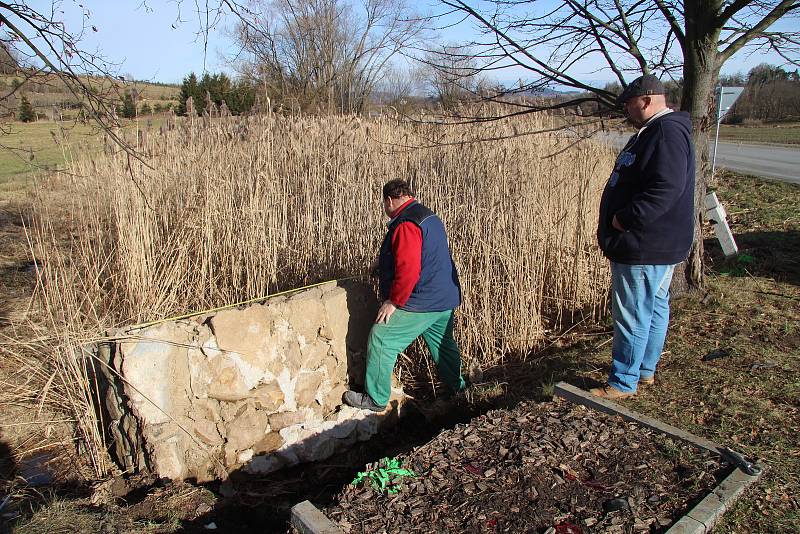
726, 96
716, 214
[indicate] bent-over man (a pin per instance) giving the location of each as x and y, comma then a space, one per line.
646, 227
420, 291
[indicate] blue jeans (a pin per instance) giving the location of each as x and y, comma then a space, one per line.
640, 308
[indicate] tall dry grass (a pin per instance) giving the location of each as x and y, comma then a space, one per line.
244, 207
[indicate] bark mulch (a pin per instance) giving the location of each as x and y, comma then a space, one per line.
554, 467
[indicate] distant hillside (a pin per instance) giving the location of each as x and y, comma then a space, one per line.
48, 92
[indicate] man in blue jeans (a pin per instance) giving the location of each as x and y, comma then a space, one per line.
646, 227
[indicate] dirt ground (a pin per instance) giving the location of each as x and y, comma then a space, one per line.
729, 373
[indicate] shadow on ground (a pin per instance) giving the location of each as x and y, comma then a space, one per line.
769, 254
8, 467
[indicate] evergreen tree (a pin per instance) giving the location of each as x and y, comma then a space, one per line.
26, 112
128, 107
239, 95
188, 89
242, 97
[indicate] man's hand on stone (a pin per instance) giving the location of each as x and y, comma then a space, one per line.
386, 310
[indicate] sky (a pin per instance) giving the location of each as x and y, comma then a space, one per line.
161, 40
156, 40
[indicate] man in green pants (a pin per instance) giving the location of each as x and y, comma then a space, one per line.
420, 290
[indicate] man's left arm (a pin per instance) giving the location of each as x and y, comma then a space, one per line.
407, 251
666, 178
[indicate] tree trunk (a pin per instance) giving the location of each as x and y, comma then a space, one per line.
700, 72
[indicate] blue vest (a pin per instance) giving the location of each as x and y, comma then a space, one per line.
438, 288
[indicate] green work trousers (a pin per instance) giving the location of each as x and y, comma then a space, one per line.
387, 340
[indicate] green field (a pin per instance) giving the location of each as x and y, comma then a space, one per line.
40, 146
28, 148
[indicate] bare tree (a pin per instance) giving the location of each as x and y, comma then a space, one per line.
688, 39
400, 87
326, 54
452, 74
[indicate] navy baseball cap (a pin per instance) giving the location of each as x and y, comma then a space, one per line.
641, 86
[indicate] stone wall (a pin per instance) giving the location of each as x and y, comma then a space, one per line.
252, 389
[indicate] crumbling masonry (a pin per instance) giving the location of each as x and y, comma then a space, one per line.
253, 389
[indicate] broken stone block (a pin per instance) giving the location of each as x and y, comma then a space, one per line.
207, 432
169, 460
331, 365
269, 443
305, 315
334, 397
318, 448
279, 421
314, 293
340, 429
231, 455
262, 465
247, 429
231, 410
157, 366
313, 354
244, 456
368, 427
199, 375
231, 375
268, 397
293, 357
335, 321
306, 388
246, 335
206, 409
228, 383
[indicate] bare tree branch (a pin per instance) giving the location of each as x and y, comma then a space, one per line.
784, 7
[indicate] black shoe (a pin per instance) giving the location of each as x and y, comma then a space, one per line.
361, 400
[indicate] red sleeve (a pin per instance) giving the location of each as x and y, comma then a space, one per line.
407, 249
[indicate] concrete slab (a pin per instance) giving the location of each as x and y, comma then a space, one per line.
307, 519
687, 525
705, 514
721, 499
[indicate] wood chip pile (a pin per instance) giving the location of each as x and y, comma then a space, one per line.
536, 467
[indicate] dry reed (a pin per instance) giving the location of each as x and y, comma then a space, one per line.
244, 207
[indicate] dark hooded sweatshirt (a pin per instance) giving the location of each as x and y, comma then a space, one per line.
651, 191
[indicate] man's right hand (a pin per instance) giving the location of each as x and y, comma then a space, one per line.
385, 312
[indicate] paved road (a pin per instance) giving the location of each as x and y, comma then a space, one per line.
776, 162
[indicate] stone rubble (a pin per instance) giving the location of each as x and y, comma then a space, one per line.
252, 389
